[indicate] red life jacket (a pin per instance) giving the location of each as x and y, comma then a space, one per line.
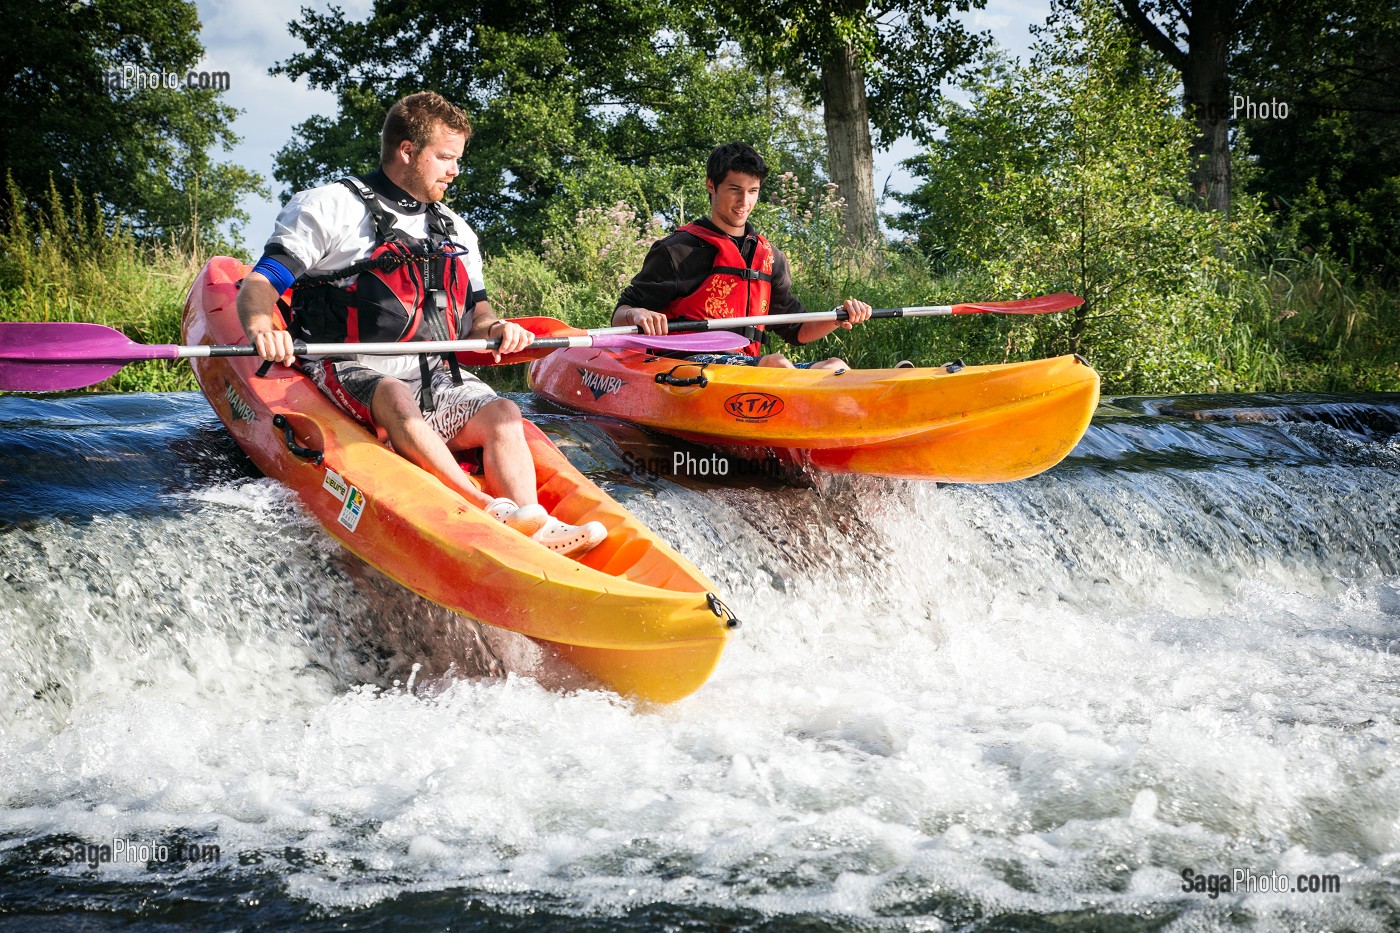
408, 288
733, 288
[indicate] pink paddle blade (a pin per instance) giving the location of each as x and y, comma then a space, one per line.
52, 357
718, 341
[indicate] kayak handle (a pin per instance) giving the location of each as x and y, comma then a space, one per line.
668, 378
718, 607
282, 424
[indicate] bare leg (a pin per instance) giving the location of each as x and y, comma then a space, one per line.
834, 363
506, 462
396, 410
776, 360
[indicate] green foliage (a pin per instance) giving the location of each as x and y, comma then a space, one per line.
143, 153
574, 104
906, 49
1070, 174
603, 249
809, 229
1323, 331
1330, 170
56, 264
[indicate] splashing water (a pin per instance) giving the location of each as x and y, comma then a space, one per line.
1087, 696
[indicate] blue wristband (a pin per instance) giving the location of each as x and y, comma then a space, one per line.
279, 275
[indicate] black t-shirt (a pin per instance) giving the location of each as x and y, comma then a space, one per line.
678, 264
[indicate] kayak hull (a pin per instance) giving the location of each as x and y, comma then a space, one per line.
980, 424
633, 613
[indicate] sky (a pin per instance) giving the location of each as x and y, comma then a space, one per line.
247, 38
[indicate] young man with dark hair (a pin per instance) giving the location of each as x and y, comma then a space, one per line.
425, 404
720, 267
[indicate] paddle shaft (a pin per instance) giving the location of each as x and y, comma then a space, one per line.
52, 357
415, 348
835, 315
1045, 304
133, 352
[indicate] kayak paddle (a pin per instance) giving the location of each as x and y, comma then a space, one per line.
53, 356
1045, 304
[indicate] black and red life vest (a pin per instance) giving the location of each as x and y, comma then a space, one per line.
734, 288
408, 289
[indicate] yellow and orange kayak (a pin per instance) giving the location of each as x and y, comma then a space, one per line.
632, 613
978, 424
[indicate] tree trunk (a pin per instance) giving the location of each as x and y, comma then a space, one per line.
1206, 82
849, 157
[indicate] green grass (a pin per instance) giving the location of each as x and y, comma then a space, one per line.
1308, 326
1322, 331
63, 266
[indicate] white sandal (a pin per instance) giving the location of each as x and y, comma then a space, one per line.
563, 538
526, 519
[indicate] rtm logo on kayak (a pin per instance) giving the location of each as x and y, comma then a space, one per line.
753, 406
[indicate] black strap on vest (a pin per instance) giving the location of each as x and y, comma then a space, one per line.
749, 275
441, 228
384, 229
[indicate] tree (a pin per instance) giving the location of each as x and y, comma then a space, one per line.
1332, 55
1070, 174
1207, 29
142, 151
1329, 165
875, 67
574, 104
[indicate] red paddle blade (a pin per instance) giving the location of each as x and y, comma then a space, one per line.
54, 356
1045, 304
539, 326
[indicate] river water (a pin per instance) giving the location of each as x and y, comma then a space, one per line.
1135, 693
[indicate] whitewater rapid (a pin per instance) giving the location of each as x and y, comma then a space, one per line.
949, 707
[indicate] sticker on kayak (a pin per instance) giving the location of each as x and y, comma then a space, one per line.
753, 406
599, 384
241, 409
353, 508
335, 484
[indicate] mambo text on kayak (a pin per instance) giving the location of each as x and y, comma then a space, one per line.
130, 77
129, 851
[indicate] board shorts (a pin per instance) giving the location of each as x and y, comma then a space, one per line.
735, 359
351, 386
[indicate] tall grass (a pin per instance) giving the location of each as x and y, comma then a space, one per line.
1309, 326
1324, 331
64, 264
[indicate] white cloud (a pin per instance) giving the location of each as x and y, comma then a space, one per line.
246, 39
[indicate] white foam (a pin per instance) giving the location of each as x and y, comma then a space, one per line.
982, 699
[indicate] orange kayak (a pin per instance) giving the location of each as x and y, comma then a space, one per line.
632, 613
980, 424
